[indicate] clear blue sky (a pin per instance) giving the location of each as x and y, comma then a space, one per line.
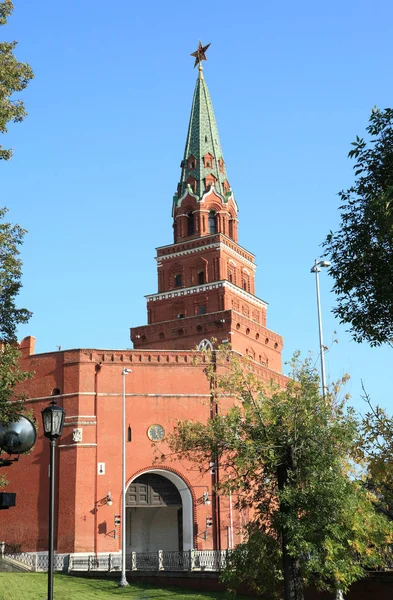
97, 160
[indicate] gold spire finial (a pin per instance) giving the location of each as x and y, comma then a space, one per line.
200, 55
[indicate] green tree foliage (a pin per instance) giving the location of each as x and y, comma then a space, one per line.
11, 237
376, 448
14, 77
289, 455
361, 251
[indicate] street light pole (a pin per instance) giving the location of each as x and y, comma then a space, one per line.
51, 517
53, 420
316, 269
123, 580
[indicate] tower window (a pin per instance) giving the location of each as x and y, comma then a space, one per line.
230, 276
191, 162
208, 160
205, 138
178, 281
190, 224
191, 181
201, 277
244, 284
202, 309
212, 222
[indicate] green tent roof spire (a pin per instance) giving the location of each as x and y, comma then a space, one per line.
203, 162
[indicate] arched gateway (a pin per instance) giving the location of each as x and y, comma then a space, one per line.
158, 513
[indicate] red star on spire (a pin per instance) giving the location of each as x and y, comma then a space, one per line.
200, 53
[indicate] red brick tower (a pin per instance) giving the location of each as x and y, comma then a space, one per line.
206, 280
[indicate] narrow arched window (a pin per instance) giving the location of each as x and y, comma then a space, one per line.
178, 281
190, 224
201, 277
212, 222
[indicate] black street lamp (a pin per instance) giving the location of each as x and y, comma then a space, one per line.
53, 420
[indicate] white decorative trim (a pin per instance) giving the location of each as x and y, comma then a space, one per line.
187, 192
190, 251
205, 344
243, 294
212, 190
185, 291
70, 423
230, 250
232, 262
157, 394
69, 395
77, 444
206, 237
240, 257
80, 416
232, 197
206, 287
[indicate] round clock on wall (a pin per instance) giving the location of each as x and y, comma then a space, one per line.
156, 433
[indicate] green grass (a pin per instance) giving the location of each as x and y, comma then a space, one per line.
33, 586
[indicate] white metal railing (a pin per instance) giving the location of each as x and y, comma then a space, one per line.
162, 560
32, 561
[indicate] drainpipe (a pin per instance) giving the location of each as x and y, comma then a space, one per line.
97, 370
215, 474
230, 521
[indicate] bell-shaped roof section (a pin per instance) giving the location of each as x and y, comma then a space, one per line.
203, 154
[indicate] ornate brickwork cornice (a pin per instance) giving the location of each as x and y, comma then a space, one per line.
189, 248
207, 287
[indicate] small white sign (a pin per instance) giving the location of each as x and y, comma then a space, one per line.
101, 468
77, 434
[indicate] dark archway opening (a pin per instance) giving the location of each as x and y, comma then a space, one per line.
154, 514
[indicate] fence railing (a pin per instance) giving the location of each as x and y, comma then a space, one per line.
36, 562
212, 561
162, 560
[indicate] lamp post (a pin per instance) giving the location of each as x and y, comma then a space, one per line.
318, 264
53, 420
123, 580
